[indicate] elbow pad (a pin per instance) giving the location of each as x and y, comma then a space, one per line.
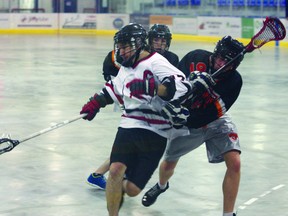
103, 98
169, 83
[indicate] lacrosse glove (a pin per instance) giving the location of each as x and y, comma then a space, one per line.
175, 113
93, 106
139, 87
201, 82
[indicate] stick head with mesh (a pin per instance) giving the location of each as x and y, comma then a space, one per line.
272, 30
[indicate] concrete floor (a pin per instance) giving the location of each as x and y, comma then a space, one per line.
46, 79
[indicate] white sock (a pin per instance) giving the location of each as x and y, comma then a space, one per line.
162, 187
228, 214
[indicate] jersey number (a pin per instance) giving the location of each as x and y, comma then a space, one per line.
200, 66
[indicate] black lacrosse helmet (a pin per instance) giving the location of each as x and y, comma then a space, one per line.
228, 48
134, 35
159, 31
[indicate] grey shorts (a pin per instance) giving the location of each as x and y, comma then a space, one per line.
219, 136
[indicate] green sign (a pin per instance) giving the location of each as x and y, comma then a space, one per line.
247, 27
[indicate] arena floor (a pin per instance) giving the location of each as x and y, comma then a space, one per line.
47, 79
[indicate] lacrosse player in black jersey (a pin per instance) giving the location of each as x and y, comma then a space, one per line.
208, 121
159, 40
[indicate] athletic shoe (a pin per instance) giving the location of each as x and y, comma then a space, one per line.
151, 195
97, 180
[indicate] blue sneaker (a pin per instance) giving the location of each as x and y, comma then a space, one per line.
97, 180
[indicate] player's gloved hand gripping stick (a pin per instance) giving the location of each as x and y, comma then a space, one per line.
7, 144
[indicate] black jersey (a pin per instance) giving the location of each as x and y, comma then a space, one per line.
171, 57
228, 88
110, 67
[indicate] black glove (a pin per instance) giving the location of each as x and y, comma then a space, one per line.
201, 82
139, 87
175, 113
202, 88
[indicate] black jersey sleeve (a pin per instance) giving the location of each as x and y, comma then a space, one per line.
109, 67
184, 63
231, 89
172, 58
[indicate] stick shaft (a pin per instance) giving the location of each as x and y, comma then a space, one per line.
56, 126
220, 70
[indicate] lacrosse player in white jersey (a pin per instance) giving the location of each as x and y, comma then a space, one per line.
159, 40
142, 134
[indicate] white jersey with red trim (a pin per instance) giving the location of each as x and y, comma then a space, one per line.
139, 112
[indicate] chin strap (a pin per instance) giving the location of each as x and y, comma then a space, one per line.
133, 59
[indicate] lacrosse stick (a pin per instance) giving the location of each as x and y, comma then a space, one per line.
7, 144
272, 30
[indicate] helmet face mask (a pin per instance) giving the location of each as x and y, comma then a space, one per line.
159, 38
129, 41
227, 49
159, 45
125, 52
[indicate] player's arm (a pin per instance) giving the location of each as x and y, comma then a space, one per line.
165, 89
232, 90
172, 58
215, 101
94, 104
184, 64
162, 91
174, 111
200, 82
110, 66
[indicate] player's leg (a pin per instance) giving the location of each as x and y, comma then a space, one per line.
114, 188
231, 180
136, 153
104, 167
222, 144
146, 161
176, 147
97, 178
166, 171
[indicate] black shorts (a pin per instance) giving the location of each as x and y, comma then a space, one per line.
140, 150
